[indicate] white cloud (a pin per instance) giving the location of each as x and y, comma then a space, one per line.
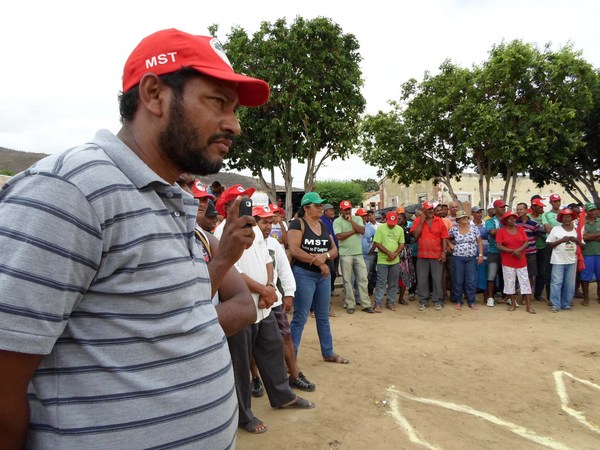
62, 62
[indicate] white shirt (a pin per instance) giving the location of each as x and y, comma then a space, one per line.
565, 253
253, 263
282, 271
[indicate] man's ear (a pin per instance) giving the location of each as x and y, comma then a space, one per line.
153, 94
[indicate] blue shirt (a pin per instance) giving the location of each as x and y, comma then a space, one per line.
367, 238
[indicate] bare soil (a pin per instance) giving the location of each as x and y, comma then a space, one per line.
447, 380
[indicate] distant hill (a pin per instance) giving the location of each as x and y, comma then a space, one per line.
15, 161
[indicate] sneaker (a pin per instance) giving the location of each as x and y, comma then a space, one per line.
422, 307
490, 301
368, 309
438, 306
257, 387
350, 310
554, 309
302, 383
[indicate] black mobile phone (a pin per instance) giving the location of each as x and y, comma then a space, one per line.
246, 207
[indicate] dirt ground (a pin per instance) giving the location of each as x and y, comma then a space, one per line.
485, 379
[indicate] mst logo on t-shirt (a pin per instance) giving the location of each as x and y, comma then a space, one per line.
313, 245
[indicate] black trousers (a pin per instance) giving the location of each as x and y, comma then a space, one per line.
263, 341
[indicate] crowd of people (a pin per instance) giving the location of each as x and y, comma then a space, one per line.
139, 307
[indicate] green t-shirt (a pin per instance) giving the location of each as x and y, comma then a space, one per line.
592, 247
390, 238
351, 246
550, 218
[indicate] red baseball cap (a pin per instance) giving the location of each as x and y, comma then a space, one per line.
345, 204
168, 51
427, 205
538, 202
360, 212
554, 197
199, 191
262, 211
499, 203
231, 194
276, 208
391, 218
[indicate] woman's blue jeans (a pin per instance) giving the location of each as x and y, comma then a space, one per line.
465, 274
312, 289
562, 285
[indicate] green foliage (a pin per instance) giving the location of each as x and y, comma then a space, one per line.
336, 191
7, 172
368, 185
524, 110
421, 137
315, 104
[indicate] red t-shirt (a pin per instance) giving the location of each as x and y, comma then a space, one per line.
512, 241
429, 243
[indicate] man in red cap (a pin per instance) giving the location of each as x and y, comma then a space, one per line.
542, 254
389, 240
279, 227
432, 238
349, 230
116, 264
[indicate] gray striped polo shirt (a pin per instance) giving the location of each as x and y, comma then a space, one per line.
100, 272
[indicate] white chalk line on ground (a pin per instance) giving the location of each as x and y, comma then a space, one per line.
417, 439
561, 390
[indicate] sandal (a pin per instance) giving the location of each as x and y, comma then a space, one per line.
377, 309
255, 426
302, 383
531, 311
336, 359
299, 403
510, 308
257, 388
391, 307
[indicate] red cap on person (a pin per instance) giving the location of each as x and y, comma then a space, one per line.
506, 215
537, 202
499, 203
427, 205
276, 208
554, 197
566, 212
360, 212
345, 204
231, 194
199, 191
262, 211
391, 218
171, 50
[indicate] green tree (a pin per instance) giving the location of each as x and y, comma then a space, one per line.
368, 185
579, 169
420, 138
315, 105
336, 191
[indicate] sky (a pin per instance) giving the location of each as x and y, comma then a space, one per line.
62, 61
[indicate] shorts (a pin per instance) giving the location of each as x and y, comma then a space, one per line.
493, 264
282, 320
592, 269
510, 275
531, 265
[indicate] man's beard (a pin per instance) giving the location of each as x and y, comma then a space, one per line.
179, 141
